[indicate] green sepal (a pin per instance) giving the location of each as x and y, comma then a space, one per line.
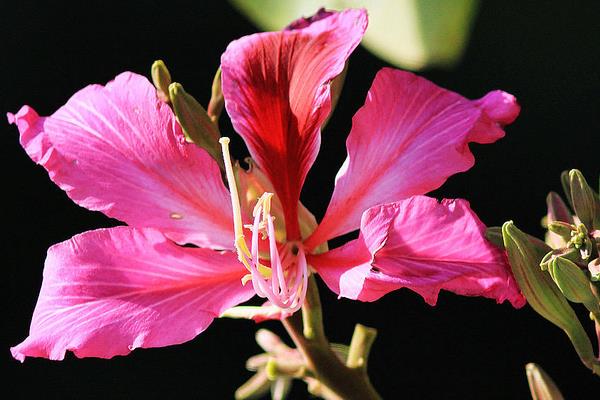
161, 79
585, 201
572, 281
568, 253
541, 292
195, 122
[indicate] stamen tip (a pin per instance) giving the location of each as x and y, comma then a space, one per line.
224, 140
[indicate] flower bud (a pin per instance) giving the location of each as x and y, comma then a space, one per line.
571, 280
195, 122
161, 79
217, 101
557, 209
541, 292
542, 387
537, 286
585, 201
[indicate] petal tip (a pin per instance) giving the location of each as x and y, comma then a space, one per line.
501, 106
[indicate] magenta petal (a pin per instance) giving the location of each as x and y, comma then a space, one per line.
422, 245
276, 89
108, 291
117, 149
407, 139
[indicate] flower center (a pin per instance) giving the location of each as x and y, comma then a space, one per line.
284, 282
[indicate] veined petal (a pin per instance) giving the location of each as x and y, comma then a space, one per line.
407, 139
277, 93
253, 183
117, 149
422, 245
108, 291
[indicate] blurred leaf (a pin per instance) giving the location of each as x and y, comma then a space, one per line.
412, 34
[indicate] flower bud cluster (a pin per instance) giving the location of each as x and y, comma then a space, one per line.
566, 267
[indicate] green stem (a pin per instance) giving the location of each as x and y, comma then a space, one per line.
340, 381
360, 346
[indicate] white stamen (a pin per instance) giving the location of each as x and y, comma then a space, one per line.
278, 290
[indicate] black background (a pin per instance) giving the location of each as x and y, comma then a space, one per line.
546, 53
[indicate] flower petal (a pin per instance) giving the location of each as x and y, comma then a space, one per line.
117, 149
277, 93
422, 245
108, 291
407, 139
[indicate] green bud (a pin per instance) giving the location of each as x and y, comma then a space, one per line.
195, 122
541, 292
161, 79
585, 201
217, 101
542, 387
571, 280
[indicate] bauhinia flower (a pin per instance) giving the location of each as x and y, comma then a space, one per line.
119, 149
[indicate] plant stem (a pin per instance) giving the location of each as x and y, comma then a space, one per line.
339, 381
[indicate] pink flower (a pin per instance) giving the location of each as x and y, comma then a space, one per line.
118, 149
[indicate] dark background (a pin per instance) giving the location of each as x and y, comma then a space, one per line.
546, 53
